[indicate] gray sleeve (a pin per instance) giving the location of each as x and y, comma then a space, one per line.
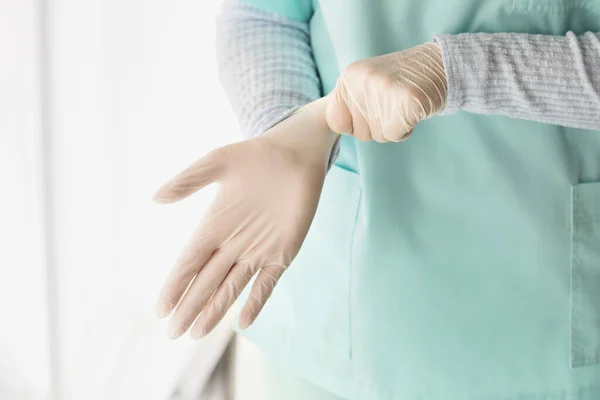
265, 65
551, 79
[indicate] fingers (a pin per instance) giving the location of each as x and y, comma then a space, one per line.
200, 174
360, 125
374, 111
384, 98
204, 285
338, 114
197, 252
259, 294
398, 129
230, 289
344, 114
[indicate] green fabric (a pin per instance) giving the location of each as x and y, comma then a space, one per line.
461, 264
299, 10
281, 383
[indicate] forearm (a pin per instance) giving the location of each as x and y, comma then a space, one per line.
265, 65
551, 79
316, 137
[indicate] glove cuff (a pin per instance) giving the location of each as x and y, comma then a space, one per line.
455, 95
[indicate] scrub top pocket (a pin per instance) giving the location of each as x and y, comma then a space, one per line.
585, 275
308, 314
555, 6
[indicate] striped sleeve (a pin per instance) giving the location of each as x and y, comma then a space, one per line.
550, 79
265, 65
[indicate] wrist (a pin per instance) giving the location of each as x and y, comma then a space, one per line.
306, 133
455, 97
438, 74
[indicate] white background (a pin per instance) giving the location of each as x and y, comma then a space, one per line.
100, 103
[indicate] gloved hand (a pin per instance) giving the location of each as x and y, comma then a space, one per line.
269, 187
383, 98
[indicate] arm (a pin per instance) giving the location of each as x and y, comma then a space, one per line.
265, 65
551, 79
269, 185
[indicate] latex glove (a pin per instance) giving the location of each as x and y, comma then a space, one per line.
383, 98
269, 187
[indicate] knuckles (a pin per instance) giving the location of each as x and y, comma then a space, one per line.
396, 135
363, 136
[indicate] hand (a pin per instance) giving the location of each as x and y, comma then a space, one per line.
383, 98
267, 198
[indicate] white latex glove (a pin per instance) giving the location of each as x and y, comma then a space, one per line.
269, 187
383, 98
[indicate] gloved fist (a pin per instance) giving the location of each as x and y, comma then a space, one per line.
269, 188
383, 98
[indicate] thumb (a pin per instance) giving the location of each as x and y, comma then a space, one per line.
198, 175
338, 115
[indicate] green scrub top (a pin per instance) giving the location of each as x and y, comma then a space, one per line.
461, 264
